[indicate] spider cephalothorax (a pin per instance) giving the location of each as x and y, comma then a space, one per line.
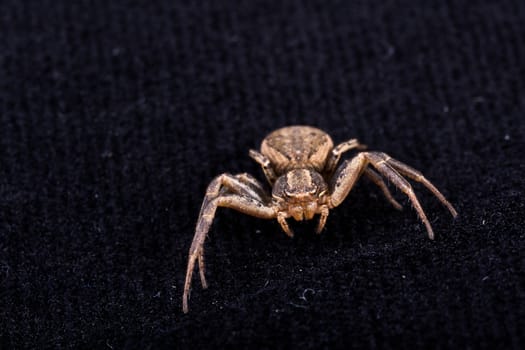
300, 164
300, 193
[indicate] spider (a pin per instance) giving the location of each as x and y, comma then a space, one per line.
301, 165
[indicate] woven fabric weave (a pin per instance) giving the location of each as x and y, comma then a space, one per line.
115, 115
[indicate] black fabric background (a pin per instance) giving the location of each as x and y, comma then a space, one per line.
115, 115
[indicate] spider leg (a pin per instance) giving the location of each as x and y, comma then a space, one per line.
254, 184
264, 162
225, 183
376, 178
345, 178
349, 172
281, 219
416, 175
338, 150
380, 161
218, 186
322, 220
243, 199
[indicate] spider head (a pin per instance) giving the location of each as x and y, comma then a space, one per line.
300, 192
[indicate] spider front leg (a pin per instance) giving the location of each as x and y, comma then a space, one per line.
337, 151
224, 191
376, 178
416, 175
323, 210
350, 171
281, 219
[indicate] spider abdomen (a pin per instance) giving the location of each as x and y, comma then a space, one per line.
296, 147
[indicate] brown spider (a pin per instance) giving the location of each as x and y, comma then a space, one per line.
300, 164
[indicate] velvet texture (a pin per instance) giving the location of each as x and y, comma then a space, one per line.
115, 115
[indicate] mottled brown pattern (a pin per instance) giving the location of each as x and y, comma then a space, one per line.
296, 147
300, 164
